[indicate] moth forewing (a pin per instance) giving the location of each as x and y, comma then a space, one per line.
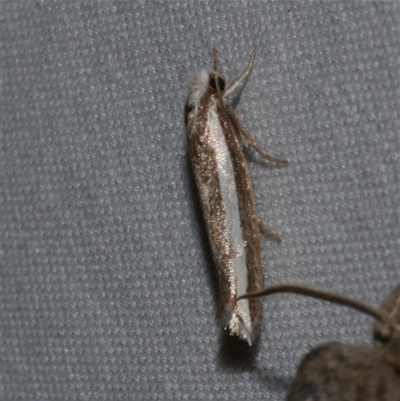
226, 197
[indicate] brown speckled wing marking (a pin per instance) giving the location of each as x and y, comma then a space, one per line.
205, 172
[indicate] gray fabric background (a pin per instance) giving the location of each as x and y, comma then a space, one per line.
108, 287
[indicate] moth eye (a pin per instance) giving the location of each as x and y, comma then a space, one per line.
213, 85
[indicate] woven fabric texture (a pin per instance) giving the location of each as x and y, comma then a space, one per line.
109, 290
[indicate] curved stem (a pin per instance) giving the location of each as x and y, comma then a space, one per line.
327, 296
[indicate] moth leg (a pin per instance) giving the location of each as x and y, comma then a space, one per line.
236, 84
267, 231
246, 135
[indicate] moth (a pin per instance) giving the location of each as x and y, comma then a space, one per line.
343, 372
215, 135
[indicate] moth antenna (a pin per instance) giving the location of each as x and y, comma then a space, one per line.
327, 296
221, 101
215, 58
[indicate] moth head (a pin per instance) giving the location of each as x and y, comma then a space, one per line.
204, 82
217, 77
